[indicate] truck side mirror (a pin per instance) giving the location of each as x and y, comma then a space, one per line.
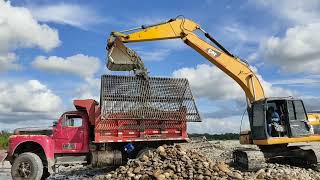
55, 123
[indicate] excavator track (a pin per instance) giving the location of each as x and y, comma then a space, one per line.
253, 159
249, 159
309, 156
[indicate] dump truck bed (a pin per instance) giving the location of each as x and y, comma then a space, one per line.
138, 109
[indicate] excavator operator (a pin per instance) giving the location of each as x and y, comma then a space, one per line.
274, 118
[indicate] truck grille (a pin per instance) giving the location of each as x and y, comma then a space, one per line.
157, 98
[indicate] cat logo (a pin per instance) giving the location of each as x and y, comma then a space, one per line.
213, 53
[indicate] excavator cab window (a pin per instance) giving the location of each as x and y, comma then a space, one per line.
297, 119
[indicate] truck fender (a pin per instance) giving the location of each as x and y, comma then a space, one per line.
42, 147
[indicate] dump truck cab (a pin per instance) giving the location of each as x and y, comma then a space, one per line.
71, 133
68, 135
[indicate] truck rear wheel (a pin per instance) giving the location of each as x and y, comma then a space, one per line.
27, 166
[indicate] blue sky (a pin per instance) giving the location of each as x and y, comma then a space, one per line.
54, 51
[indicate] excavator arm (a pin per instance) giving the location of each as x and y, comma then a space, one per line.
185, 30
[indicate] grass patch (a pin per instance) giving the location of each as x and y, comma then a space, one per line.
4, 136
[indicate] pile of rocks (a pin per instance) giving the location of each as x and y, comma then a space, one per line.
173, 162
286, 172
204, 160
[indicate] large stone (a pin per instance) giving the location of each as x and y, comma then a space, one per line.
223, 167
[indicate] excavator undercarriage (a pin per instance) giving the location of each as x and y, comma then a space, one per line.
299, 155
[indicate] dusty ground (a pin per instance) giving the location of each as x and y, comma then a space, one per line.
5, 171
218, 150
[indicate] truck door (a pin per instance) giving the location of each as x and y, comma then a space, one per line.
298, 125
73, 134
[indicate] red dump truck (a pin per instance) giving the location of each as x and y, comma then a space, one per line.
133, 116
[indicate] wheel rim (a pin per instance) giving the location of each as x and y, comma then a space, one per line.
24, 169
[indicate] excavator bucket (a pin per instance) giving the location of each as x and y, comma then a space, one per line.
122, 58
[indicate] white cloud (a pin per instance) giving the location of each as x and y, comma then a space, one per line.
79, 64
8, 62
297, 81
229, 124
29, 100
10, 126
18, 29
210, 82
297, 51
296, 11
311, 103
89, 90
271, 90
236, 32
154, 55
71, 14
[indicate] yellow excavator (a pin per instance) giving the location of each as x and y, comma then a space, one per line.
272, 137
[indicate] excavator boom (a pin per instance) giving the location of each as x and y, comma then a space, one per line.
185, 30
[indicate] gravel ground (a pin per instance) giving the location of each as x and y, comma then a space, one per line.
222, 151
5, 171
215, 151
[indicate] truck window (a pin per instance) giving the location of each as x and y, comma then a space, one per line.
72, 121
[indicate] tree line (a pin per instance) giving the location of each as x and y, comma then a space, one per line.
225, 136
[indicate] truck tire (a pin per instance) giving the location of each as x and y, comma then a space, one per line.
144, 151
27, 166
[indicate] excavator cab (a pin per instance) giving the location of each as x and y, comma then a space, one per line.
275, 123
278, 117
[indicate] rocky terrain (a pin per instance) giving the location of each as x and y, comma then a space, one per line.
198, 160
201, 161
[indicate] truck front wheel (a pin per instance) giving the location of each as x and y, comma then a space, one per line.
27, 166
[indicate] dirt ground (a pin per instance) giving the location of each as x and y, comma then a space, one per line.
218, 150
5, 171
